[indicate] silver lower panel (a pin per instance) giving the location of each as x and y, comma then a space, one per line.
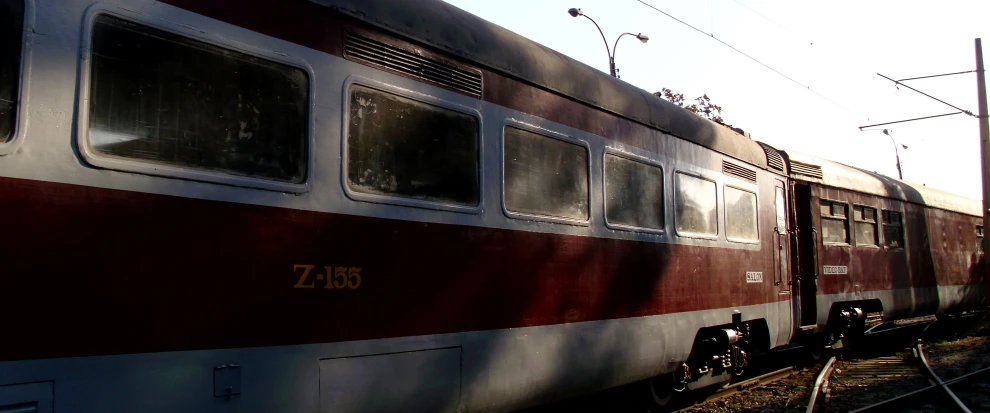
482, 371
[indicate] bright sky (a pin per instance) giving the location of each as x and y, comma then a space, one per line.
836, 48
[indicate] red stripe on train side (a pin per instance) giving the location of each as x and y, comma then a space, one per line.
91, 271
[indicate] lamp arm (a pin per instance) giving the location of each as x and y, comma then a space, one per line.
897, 156
611, 61
616, 45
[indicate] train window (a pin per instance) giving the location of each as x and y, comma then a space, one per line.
893, 230
866, 225
695, 208
405, 148
545, 176
633, 193
835, 223
163, 98
740, 215
979, 238
11, 33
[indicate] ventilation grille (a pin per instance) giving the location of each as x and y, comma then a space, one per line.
774, 160
805, 169
738, 171
405, 62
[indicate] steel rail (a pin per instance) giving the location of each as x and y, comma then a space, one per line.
882, 406
743, 385
938, 380
967, 376
938, 383
822, 378
893, 326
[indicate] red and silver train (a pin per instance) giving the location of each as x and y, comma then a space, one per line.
372, 205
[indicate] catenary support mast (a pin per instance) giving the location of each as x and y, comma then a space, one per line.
981, 85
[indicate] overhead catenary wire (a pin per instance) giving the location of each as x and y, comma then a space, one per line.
767, 18
864, 127
898, 83
927, 77
726, 44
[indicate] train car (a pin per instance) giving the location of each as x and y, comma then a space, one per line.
874, 249
360, 206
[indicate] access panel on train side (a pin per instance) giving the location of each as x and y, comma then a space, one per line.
427, 381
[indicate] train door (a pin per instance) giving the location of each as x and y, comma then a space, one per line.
807, 245
781, 252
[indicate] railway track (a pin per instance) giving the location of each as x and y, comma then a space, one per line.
744, 385
908, 375
883, 373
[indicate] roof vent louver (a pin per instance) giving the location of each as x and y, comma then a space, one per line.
774, 160
418, 65
806, 169
729, 168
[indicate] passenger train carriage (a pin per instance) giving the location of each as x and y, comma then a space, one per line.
344, 206
879, 245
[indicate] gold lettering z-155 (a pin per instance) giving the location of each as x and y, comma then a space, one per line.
334, 278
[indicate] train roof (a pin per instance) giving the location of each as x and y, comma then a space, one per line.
810, 168
455, 31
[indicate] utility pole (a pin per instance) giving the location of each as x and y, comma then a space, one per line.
981, 86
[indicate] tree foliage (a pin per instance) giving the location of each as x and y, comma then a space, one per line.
702, 105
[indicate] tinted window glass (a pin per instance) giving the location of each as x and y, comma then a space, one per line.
695, 206
406, 148
781, 209
11, 33
866, 225
159, 97
835, 223
633, 193
893, 231
740, 214
866, 234
979, 238
545, 176
839, 210
834, 231
869, 214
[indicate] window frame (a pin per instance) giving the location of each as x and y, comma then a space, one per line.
877, 221
550, 134
821, 226
645, 161
718, 229
174, 26
900, 223
426, 98
19, 122
726, 215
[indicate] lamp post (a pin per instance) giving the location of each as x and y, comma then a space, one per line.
574, 12
896, 154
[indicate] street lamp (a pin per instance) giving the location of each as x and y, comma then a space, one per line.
611, 53
896, 154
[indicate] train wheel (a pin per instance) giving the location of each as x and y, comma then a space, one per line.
666, 391
662, 390
817, 347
